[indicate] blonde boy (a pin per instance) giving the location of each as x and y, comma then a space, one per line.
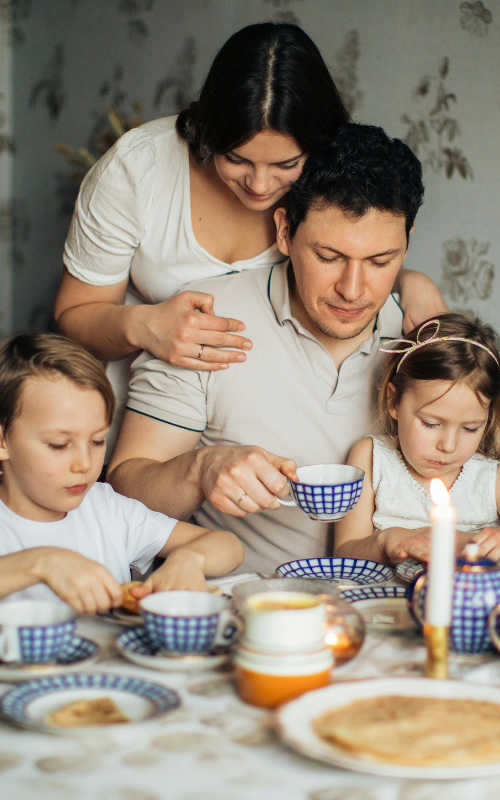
60, 531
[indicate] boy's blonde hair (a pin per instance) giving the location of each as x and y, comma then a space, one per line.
27, 355
448, 361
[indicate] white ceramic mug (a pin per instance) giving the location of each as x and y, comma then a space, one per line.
33, 631
298, 626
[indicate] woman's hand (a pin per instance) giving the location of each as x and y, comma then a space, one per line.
243, 479
401, 543
420, 298
178, 329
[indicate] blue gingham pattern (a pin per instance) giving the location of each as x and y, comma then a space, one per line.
41, 643
474, 596
181, 634
373, 593
15, 703
77, 650
319, 499
354, 569
137, 640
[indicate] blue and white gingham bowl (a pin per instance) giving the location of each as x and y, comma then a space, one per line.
35, 632
356, 570
326, 491
188, 622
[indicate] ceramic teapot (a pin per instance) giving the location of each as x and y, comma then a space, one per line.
476, 592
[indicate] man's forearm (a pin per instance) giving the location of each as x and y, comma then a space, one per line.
172, 487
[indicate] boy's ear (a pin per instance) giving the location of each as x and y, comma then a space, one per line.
282, 230
393, 409
4, 450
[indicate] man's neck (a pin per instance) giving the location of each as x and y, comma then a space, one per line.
339, 349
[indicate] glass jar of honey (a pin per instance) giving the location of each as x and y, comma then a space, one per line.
268, 679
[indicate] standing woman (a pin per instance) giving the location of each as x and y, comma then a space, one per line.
180, 199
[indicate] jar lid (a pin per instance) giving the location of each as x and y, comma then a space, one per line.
284, 664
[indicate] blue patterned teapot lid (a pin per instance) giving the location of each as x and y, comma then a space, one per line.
471, 562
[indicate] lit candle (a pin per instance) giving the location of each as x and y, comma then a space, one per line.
442, 558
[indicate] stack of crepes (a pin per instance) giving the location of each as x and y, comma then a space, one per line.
420, 731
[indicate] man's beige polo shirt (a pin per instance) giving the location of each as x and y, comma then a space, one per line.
287, 397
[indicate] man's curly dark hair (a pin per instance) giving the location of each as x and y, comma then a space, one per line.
362, 169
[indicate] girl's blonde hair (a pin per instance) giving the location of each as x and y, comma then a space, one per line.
31, 354
448, 361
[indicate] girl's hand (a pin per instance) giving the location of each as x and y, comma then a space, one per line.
85, 585
401, 543
183, 569
176, 329
488, 540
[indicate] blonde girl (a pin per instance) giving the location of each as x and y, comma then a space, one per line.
440, 417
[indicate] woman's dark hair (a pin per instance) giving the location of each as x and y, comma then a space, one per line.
266, 77
448, 361
362, 168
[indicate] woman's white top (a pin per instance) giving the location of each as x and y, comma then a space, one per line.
133, 219
402, 502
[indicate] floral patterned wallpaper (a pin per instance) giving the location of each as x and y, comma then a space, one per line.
428, 71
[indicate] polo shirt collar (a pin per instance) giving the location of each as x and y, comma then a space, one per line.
388, 324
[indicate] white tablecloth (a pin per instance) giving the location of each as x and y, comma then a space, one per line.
215, 747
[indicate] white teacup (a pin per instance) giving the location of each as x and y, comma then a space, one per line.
284, 621
325, 491
33, 631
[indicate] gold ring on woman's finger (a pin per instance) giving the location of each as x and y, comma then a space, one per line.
201, 351
241, 498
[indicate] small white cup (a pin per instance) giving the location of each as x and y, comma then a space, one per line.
325, 491
32, 631
297, 627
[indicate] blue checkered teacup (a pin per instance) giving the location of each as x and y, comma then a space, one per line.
33, 631
325, 491
189, 622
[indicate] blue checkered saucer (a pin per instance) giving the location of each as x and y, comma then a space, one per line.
29, 703
135, 645
381, 606
78, 653
337, 570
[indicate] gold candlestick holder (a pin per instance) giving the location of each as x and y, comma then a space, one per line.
436, 642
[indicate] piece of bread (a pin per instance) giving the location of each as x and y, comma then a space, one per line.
101, 711
423, 731
129, 602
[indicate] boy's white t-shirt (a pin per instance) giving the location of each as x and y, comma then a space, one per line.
107, 527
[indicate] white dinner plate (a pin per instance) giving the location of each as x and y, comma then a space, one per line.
29, 703
294, 722
381, 606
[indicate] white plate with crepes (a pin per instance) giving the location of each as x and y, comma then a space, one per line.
295, 722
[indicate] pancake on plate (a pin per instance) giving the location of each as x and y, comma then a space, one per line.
421, 731
101, 711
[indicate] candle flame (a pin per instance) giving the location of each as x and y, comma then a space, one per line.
439, 492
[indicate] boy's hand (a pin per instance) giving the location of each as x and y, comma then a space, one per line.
400, 544
85, 585
488, 540
183, 569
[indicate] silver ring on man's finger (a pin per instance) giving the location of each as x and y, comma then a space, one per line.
201, 351
241, 498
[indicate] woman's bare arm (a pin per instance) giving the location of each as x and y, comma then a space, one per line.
174, 330
420, 298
